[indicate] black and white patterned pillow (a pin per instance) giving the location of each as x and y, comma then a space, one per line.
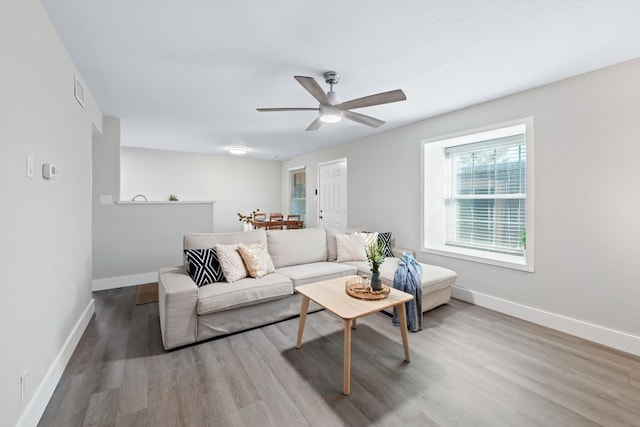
386, 239
203, 266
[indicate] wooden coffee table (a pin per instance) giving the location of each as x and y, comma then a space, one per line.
331, 295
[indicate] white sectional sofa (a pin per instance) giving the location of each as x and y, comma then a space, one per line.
190, 314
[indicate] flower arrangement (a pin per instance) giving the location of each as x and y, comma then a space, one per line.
375, 255
247, 218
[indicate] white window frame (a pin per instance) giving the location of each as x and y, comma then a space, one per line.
436, 186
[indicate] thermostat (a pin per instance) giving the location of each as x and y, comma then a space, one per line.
49, 171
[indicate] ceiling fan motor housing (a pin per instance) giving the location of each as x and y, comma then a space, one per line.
331, 77
332, 97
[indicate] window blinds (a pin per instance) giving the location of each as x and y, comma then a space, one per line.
487, 194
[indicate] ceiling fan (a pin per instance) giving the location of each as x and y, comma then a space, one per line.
332, 111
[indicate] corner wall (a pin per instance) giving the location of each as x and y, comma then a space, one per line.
45, 224
587, 142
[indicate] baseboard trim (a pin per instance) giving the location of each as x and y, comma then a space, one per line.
38, 403
123, 281
601, 335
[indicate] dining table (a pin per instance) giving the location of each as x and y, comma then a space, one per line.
267, 224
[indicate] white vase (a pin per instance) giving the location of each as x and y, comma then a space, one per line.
247, 226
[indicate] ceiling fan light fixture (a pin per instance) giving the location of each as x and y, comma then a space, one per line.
331, 117
238, 151
330, 114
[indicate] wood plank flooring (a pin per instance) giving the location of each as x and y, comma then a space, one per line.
470, 367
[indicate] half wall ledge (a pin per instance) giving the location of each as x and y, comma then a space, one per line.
164, 202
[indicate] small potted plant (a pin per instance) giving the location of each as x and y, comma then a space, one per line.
375, 256
173, 198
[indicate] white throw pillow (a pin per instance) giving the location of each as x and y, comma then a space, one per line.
350, 247
369, 239
231, 262
256, 259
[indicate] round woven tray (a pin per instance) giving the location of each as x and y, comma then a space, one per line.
358, 290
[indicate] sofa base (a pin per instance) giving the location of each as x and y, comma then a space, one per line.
433, 299
248, 317
241, 319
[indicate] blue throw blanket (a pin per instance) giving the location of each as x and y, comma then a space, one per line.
408, 278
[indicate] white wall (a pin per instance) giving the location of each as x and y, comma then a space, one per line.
236, 184
587, 142
45, 225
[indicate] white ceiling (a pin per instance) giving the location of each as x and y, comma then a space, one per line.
189, 75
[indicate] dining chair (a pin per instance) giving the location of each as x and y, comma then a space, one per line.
276, 221
260, 220
293, 222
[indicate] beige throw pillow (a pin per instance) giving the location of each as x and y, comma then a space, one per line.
350, 247
257, 259
231, 262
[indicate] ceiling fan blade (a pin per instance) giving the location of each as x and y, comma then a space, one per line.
362, 119
271, 110
371, 100
315, 125
313, 88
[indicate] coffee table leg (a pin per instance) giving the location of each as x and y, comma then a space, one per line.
304, 307
346, 387
402, 311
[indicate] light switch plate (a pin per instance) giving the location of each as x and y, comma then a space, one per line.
29, 166
106, 199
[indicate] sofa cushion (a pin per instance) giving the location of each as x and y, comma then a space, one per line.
231, 262
203, 266
350, 247
210, 240
433, 277
315, 272
294, 247
249, 291
256, 259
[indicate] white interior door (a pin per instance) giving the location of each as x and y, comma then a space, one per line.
332, 183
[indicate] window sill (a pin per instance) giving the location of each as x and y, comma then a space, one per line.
499, 260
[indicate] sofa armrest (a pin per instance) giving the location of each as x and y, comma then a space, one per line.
177, 300
398, 252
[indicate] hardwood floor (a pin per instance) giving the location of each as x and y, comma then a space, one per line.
470, 367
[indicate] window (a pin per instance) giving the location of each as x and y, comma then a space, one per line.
298, 199
478, 201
